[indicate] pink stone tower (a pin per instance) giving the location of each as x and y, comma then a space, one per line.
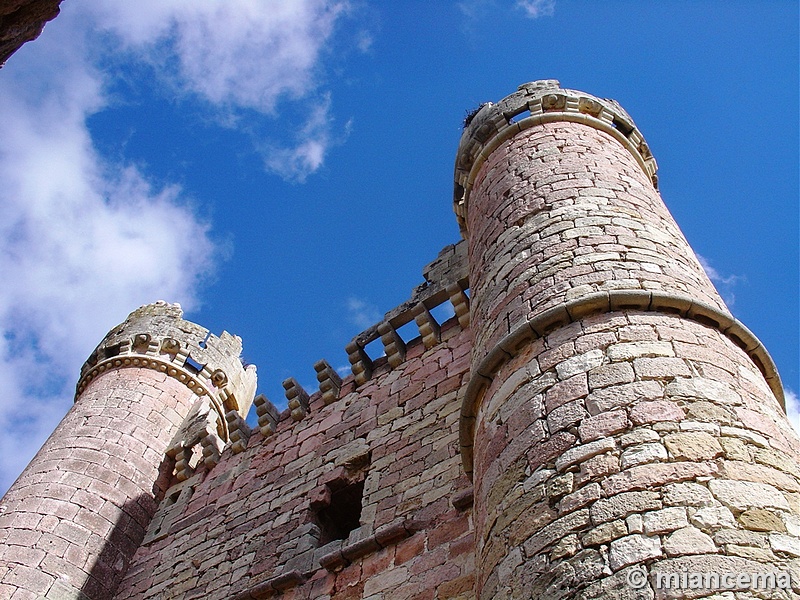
71, 523
619, 422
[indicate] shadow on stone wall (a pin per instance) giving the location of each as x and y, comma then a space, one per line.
115, 553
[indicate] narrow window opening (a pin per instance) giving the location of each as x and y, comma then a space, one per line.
624, 127
342, 515
375, 349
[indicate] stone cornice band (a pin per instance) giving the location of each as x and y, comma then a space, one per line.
611, 301
493, 125
173, 366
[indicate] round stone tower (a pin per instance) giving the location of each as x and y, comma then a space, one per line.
621, 428
72, 521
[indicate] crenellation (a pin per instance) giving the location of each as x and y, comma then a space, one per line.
330, 384
268, 415
298, 399
239, 431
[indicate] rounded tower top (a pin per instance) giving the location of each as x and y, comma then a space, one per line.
156, 336
534, 103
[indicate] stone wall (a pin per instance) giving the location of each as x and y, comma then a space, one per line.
256, 524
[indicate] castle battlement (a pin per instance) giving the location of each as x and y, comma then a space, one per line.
590, 418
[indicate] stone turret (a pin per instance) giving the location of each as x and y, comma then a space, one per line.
152, 390
619, 422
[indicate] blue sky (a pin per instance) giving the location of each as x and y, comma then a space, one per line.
284, 169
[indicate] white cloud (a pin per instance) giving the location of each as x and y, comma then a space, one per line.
83, 240
793, 409
311, 144
362, 314
364, 41
537, 8
724, 283
247, 53
715, 275
239, 56
476, 11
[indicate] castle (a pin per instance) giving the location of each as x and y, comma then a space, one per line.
591, 423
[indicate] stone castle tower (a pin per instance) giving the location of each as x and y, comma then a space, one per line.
591, 423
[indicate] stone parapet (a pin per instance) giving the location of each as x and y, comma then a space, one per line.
446, 279
155, 336
533, 104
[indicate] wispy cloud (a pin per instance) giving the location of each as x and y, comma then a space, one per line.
715, 275
724, 283
475, 11
793, 409
311, 143
84, 240
361, 313
245, 53
537, 8
239, 57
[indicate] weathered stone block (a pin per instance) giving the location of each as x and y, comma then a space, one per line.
633, 549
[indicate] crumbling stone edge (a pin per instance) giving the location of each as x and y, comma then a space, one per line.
172, 364
610, 301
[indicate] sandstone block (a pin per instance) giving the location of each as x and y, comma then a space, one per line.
712, 517
689, 540
643, 477
643, 453
693, 446
578, 454
759, 519
603, 425
660, 368
605, 532
579, 364
785, 544
587, 494
701, 410
635, 523
741, 495
556, 530
605, 399
656, 411
633, 549
665, 520
628, 351
611, 374
744, 435
598, 466
640, 435
621, 505
701, 388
